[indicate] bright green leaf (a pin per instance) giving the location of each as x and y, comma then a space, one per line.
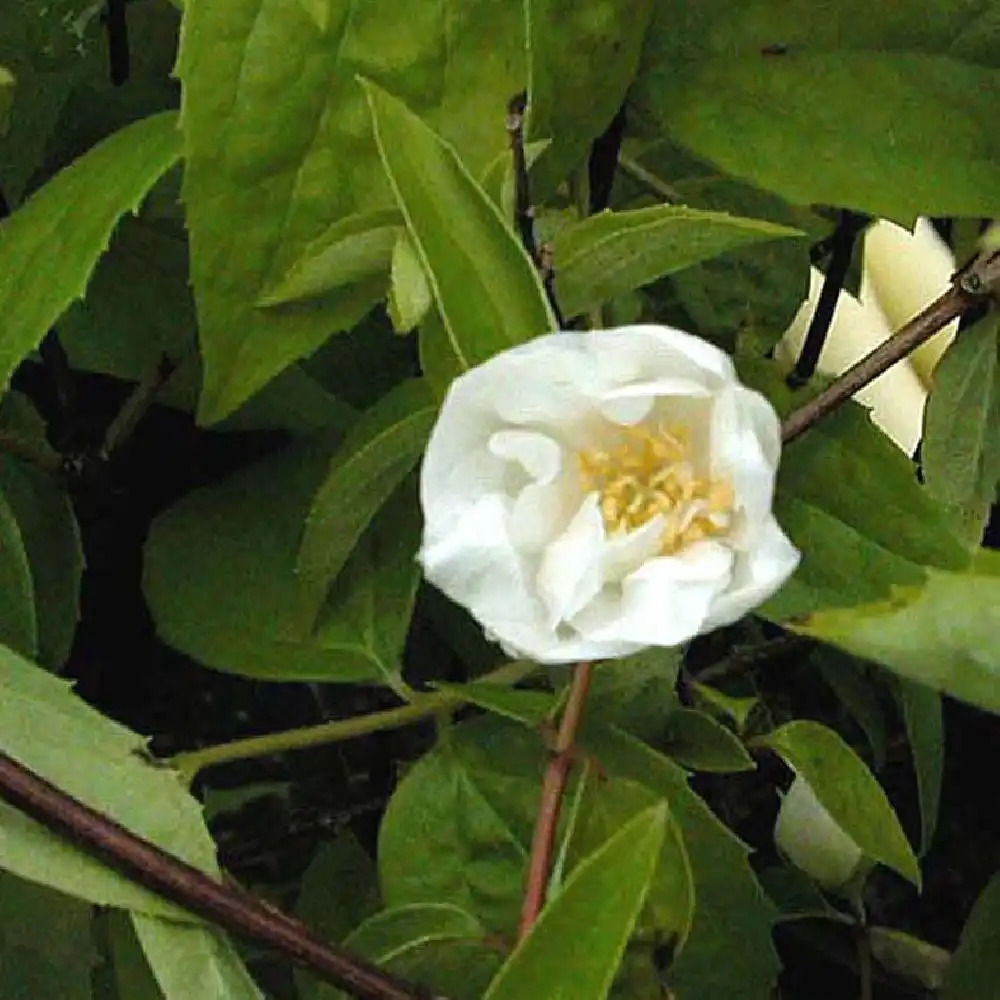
47, 728
18, 623
581, 60
353, 249
276, 137
943, 634
219, 576
732, 706
49, 246
577, 945
193, 961
847, 790
379, 452
611, 253
485, 285
915, 143
729, 951
409, 294
960, 451
697, 741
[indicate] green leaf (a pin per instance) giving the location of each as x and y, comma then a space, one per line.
410, 296
636, 692
930, 106
48, 729
975, 963
18, 624
46, 949
608, 254
379, 452
697, 741
436, 944
728, 952
193, 961
943, 634
530, 708
276, 136
577, 945
581, 60
219, 577
922, 716
458, 826
485, 286
8, 83
352, 249
847, 790
960, 452
49, 246
857, 691
735, 707
50, 535
438, 361
133, 977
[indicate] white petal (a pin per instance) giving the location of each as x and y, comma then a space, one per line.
666, 601
895, 398
570, 573
757, 575
904, 272
538, 455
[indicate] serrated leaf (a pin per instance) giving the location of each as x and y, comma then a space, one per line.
530, 708
611, 253
276, 136
439, 945
46, 948
219, 577
943, 633
352, 249
723, 108
960, 452
975, 963
47, 728
847, 790
581, 61
380, 450
49, 246
697, 741
636, 692
729, 951
486, 288
924, 722
193, 961
577, 945
458, 826
409, 294
18, 622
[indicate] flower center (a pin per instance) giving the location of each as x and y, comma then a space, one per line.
650, 474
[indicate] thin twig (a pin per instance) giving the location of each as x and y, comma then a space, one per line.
864, 947
136, 406
922, 327
233, 909
648, 179
550, 805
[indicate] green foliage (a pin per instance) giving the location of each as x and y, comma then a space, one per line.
922, 716
974, 964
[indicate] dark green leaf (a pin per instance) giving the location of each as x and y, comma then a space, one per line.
486, 288
695, 740
577, 945
609, 254
18, 624
975, 964
857, 690
922, 716
636, 692
847, 790
531, 708
960, 452
49, 246
379, 452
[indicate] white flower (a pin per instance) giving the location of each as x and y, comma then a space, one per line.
586, 495
902, 273
811, 839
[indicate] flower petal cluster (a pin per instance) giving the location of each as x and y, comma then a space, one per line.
587, 495
812, 840
902, 272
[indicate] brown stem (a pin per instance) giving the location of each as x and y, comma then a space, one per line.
922, 327
553, 788
231, 908
11, 443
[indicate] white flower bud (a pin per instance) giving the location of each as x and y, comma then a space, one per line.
895, 398
586, 495
811, 839
903, 273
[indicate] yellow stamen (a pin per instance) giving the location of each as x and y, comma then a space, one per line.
649, 474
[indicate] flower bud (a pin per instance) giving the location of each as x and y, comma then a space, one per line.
895, 398
811, 839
